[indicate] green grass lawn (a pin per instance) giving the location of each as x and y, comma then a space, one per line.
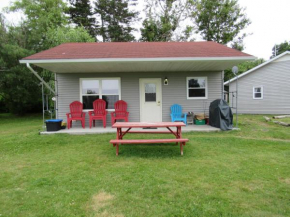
237, 173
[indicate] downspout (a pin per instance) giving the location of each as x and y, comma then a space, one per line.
56, 96
223, 78
40, 78
46, 85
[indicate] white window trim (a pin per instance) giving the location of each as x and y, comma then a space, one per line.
206, 88
262, 92
100, 88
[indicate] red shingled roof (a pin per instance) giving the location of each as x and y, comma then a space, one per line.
137, 50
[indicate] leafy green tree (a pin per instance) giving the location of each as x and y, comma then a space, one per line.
116, 20
243, 67
163, 19
62, 35
19, 89
220, 20
40, 15
81, 14
280, 48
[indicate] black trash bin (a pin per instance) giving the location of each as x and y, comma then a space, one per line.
220, 115
53, 124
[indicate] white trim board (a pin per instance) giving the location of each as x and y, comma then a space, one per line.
175, 59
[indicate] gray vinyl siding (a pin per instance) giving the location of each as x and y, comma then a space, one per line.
175, 92
275, 78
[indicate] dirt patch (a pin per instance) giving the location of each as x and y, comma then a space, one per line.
286, 180
99, 202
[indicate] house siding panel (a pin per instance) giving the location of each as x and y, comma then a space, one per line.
175, 92
274, 78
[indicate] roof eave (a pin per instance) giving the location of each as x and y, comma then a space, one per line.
174, 59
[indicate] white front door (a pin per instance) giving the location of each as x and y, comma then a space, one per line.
150, 100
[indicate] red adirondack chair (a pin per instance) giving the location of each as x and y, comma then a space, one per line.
76, 114
99, 112
120, 112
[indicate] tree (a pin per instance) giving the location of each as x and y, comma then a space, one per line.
40, 15
220, 20
81, 14
116, 20
163, 19
19, 89
243, 67
280, 48
62, 35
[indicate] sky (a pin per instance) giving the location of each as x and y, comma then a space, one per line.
270, 24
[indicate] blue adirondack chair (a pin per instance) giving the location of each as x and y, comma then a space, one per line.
176, 113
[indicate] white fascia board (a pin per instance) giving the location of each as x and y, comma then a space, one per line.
257, 67
175, 59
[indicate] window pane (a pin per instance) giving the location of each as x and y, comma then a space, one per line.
150, 93
110, 87
258, 95
90, 87
196, 82
258, 90
196, 92
88, 101
110, 100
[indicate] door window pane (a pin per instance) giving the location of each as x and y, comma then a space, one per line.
110, 100
110, 87
90, 87
88, 101
150, 93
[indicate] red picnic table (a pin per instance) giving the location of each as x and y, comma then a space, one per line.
125, 127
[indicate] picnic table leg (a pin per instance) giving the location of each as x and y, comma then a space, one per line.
119, 136
117, 149
178, 133
181, 148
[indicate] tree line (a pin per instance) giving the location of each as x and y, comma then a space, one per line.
48, 23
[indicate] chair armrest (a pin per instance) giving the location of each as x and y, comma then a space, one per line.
91, 113
67, 115
113, 114
185, 115
83, 114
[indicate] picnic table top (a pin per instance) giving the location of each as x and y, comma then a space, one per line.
147, 124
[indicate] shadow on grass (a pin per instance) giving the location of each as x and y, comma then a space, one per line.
149, 150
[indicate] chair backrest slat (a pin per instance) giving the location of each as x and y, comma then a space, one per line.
176, 109
99, 107
76, 109
120, 108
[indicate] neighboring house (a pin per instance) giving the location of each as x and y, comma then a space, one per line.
137, 73
264, 89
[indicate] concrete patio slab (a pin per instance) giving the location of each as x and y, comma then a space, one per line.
100, 130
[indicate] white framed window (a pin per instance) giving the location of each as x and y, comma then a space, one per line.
258, 92
108, 89
196, 87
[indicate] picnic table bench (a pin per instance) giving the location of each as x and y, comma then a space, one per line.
127, 126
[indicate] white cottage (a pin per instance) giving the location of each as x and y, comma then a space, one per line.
187, 73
